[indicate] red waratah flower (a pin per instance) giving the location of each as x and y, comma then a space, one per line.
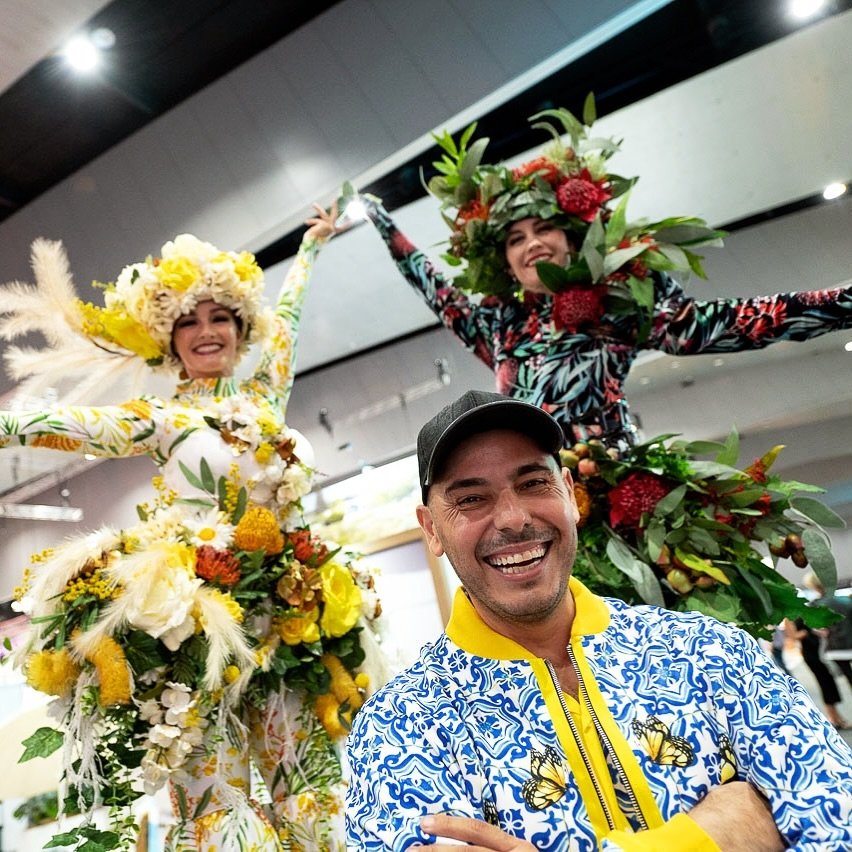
581, 196
216, 566
540, 166
636, 494
578, 306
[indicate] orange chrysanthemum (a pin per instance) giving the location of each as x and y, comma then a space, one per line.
217, 566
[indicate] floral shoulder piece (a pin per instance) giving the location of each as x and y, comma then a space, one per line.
660, 523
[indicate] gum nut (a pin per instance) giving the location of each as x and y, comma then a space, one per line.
679, 581
800, 560
704, 581
793, 541
568, 458
587, 467
665, 556
779, 549
581, 450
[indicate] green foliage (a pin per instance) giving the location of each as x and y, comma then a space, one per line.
704, 544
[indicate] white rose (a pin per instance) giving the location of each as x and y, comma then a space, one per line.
161, 592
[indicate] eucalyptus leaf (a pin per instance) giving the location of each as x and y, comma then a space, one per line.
821, 559
818, 512
643, 578
731, 452
614, 260
670, 502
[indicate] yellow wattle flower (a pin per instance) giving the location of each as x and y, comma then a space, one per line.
258, 530
52, 672
264, 452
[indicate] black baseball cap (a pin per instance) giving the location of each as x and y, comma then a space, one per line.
480, 411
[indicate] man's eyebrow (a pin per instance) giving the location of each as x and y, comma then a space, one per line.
479, 481
470, 482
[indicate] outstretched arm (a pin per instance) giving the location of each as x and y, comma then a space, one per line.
469, 322
108, 431
685, 326
276, 367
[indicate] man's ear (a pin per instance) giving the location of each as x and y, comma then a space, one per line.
427, 524
569, 484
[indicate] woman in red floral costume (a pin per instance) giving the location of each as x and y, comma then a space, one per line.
571, 292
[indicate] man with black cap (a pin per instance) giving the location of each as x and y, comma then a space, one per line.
546, 717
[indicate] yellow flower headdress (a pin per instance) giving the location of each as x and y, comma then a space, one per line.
133, 329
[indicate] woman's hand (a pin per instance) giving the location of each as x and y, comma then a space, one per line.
480, 836
322, 225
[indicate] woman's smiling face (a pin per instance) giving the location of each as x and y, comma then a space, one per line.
206, 340
530, 241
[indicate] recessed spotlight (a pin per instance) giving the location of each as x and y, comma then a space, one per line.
645, 380
834, 190
675, 365
848, 346
803, 9
81, 54
718, 362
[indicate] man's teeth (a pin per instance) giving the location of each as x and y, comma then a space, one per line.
509, 562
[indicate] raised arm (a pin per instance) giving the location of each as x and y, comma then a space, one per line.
469, 322
276, 367
686, 326
111, 431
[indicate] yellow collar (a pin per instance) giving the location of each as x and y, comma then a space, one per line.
471, 633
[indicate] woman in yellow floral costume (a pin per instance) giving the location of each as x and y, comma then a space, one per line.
219, 627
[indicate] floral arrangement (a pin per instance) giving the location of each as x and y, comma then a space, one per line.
141, 306
155, 637
571, 186
659, 525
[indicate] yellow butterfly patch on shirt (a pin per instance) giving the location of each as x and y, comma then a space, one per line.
728, 769
663, 747
547, 785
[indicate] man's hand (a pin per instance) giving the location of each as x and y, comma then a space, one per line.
737, 817
481, 836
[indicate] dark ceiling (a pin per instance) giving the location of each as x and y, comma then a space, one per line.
53, 122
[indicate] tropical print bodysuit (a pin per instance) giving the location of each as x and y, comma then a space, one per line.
579, 376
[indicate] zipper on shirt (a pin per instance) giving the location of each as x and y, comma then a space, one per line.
577, 739
606, 743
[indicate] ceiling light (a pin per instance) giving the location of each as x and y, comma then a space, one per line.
802, 9
81, 54
848, 346
32, 512
834, 190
